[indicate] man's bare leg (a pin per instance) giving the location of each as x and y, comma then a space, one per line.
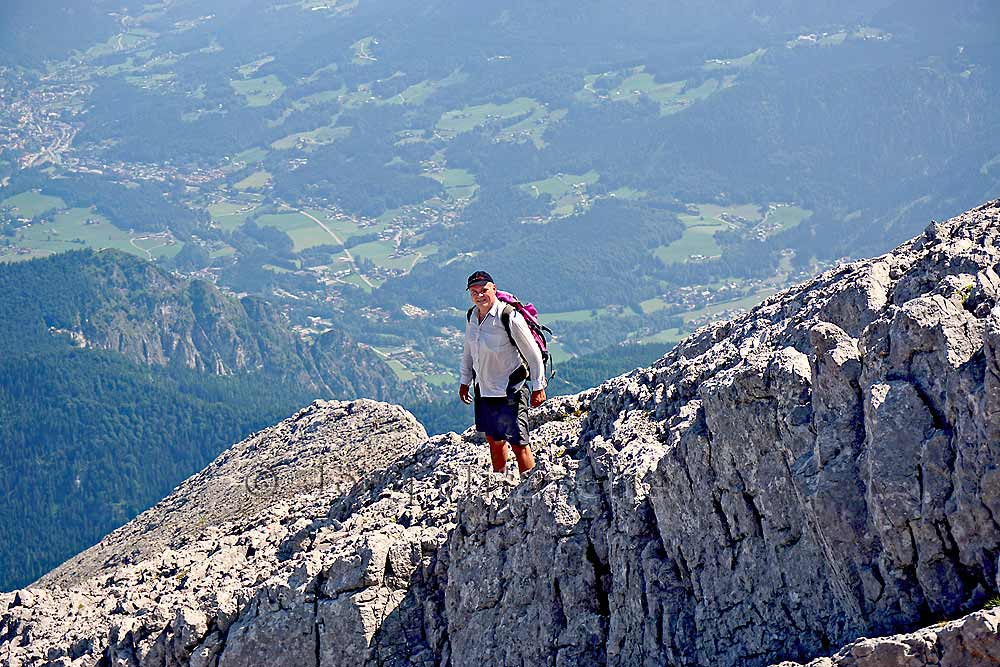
525, 459
498, 454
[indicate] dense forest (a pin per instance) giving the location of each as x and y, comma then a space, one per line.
89, 440
90, 437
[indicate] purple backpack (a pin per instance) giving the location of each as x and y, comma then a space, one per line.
530, 315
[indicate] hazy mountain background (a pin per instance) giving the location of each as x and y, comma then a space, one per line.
315, 179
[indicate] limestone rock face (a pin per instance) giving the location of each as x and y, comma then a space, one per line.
970, 641
822, 469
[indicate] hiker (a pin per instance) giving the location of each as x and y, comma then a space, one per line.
491, 359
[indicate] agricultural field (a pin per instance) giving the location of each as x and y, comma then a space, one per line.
533, 127
229, 214
363, 51
558, 352
76, 228
469, 118
308, 140
440, 379
697, 242
712, 310
782, 217
839, 37
574, 315
642, 84
567, 190
303, 231
120, 42
397, 367
152, 81
249, 156
457, 183
358, 281
255, 181
627, 193
734, 63
672, 96
691, 95
419, 92
700, 226
250, 68
376, 251
259, 92
675, 335
32, 204
341, 225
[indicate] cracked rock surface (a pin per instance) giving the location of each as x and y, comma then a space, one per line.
822, 469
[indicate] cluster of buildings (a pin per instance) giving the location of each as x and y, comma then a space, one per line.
35, 120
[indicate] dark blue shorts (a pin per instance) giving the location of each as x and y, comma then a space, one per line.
504, 417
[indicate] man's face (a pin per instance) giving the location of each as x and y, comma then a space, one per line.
483, 295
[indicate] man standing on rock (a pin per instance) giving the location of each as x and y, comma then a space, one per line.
491, 358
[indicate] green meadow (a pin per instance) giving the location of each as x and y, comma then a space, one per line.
307, 140
785, 216
120, 42
533, 127
343, 227
700, 227
77, 228
458, 183
249, 156
627, 193
419, 92
249, 68
255, 181
305, 233
259, 92
363, 51
672, 96
734, 63
675, 335
440, 379
230, 214
31, 204
566, 190
574, 315
464, 120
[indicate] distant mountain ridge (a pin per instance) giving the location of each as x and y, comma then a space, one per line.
113, 301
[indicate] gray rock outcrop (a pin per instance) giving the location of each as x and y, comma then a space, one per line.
821, 469
970, 641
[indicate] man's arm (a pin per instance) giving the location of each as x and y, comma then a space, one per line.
465, 373
529, 350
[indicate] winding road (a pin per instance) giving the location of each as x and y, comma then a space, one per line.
347, 253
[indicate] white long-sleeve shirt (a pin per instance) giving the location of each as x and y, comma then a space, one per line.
488, 352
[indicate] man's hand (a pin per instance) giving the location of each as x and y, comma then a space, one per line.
463, 393
537, 398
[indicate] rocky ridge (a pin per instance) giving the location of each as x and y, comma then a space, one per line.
820, 469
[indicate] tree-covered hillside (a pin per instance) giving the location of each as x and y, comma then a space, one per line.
88, 440
118, 380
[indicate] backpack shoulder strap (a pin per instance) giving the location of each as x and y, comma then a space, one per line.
468, 315
505, 318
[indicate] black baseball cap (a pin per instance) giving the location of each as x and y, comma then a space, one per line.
479, 278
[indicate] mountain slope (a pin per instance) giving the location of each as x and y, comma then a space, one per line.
118, 380
821, 468
114, 301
